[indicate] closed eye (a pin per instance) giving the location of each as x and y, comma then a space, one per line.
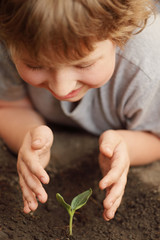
34, 68
85, 66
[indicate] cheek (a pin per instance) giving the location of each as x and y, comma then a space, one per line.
101, 74
34, 78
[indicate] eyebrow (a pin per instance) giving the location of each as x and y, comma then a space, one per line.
81, 62
74, 63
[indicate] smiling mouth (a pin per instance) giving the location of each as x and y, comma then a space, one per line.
72, 94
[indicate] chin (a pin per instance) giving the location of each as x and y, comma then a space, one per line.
75, 99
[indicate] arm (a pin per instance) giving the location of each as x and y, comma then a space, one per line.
143, 147
118, 150
16, 118
23, 130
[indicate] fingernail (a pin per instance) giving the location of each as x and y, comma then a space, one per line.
30, 204
105, 215
26, 210
109, 151
37, 141
43, 180
39, 197
104, 185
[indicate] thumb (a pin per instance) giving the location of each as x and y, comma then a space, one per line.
41, 136
107, 143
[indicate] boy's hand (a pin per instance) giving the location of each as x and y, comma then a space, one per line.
33, 156
114, 163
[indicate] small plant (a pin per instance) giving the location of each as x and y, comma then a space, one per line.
77, 202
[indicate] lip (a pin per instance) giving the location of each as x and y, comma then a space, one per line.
72, 94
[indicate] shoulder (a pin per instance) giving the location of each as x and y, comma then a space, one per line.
8, 72
143, 49
11, 85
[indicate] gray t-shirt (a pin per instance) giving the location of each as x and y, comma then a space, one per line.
130, 100
11, 85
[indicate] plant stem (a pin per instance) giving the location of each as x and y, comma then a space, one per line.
70, 222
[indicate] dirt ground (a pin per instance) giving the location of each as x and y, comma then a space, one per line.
74, 169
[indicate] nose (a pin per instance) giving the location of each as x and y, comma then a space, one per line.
63, 81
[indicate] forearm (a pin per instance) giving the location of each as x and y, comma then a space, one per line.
14, 124
143, 147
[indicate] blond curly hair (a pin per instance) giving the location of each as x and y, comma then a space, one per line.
69, 27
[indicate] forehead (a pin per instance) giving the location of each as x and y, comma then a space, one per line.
50, 58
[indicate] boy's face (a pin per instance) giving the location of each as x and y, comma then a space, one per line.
71, 82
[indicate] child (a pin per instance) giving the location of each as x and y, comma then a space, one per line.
87, 63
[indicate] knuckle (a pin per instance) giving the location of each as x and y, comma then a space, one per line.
112, 178
27, 196
32, 185
33, 205
106, 204
117, 196
23, 176
30, 201
36, 190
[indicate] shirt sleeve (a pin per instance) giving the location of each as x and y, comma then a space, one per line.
11, 85
142, 108
137, 98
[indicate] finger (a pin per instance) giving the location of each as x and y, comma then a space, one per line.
115, 192
104, 164
41, 136
26, 208
118, 166
108, 142
28, 195
110, 213
34, 184
36, 187
39, 172
105, 215
106, 149
113, 175
35, 168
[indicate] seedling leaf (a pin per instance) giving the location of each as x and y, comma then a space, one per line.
76, 203
80, 200
60, 199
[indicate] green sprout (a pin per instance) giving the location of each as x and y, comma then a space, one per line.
77, 202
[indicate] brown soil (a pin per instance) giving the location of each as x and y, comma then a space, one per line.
74, 169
